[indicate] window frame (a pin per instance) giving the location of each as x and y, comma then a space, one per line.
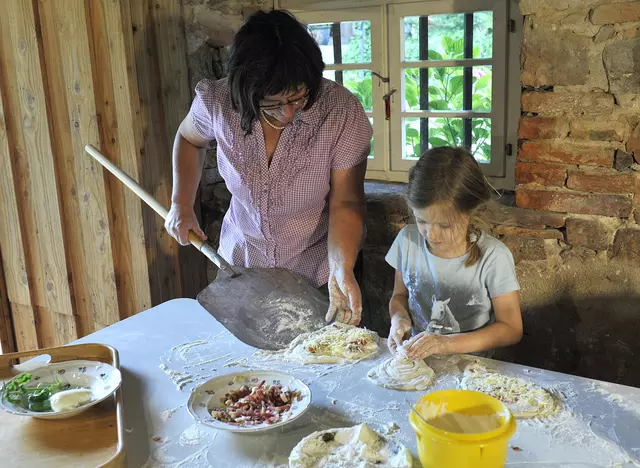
377, 64
397, 13
506, 90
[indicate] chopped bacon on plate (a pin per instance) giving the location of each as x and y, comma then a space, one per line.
260, 404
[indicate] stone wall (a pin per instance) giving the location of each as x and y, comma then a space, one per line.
578, 165
575, 231
580, 132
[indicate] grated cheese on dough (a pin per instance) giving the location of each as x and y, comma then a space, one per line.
524, 398
335, 343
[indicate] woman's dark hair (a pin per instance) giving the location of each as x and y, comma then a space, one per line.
272, 53
452, 176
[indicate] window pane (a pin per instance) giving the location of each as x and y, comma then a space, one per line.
346, 42
359, 83
481, 140
483, 34
411, 130
356, 81
443, 88
421, 134
442, 37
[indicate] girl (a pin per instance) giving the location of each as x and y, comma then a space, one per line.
455, 285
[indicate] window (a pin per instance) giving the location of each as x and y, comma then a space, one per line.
428, 74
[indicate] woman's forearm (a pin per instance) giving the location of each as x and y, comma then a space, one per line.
496, 335
188, 160
346, 231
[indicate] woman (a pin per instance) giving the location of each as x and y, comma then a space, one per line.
292, 149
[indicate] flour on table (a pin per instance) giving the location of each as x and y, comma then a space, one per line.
208, 361
567, 429
352, 447
368, 410
166, 414
400, 373
192, 436
194, 460
624, 402
184, 348
336, 343
178, 378
524, 398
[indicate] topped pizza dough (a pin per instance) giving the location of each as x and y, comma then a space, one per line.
336, 343
400, 373
351, 447
525, 399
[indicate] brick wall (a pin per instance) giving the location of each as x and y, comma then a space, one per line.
580, 127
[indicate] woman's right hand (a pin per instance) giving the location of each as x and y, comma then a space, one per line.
180, 220
400, 329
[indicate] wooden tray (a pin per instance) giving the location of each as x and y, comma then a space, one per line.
91, 439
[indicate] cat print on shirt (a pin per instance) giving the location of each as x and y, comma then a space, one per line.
442, 319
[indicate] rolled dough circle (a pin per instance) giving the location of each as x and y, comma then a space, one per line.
349, 447
400, 373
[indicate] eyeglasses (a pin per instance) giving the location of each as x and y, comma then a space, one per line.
296, 102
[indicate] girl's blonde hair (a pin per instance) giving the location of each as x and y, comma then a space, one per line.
449, 175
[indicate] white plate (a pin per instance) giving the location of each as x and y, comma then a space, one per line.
211, 394
101, 378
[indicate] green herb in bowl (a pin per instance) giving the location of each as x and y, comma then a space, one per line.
31, 398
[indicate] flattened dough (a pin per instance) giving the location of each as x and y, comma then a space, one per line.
350, 447
400, 373
524, 398
334, 344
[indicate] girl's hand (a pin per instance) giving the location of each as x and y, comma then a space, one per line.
427, 344
180, 220
345, 298
400, 328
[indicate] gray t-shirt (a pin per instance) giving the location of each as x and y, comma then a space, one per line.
445, 296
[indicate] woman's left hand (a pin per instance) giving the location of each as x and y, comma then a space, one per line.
427, 344
345, 298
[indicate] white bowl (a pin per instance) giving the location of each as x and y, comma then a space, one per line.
99, 377
211, 394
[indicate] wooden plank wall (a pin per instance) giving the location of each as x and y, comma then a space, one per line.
78, 250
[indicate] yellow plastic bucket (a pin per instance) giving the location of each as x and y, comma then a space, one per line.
448, 449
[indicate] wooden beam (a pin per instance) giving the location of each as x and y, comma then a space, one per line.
121, 140
35, 169
80, 178
24, 327
176, 98
155, 156
14, 262
7, 340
